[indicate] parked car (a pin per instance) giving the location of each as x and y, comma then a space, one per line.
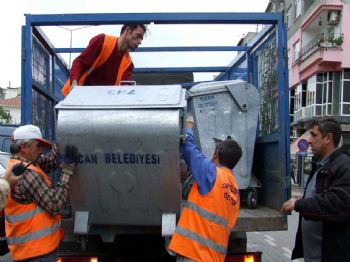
6, 132
4, 158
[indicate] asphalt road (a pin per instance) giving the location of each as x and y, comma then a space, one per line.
276, 246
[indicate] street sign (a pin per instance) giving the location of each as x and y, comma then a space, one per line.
303, 145
302, 153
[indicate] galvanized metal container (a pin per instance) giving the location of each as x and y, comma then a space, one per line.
222, 109
128, 138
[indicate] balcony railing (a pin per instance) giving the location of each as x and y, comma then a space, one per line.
319, 42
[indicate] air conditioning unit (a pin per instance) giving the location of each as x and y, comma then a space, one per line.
333, 17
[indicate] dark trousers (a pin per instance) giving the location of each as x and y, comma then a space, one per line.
50, 257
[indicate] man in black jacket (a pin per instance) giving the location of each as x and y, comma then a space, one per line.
324, 211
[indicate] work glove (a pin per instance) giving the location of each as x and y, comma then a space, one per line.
70, 159
71, 155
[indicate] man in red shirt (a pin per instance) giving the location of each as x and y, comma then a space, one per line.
106, 60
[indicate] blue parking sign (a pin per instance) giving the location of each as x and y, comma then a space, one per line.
303, 145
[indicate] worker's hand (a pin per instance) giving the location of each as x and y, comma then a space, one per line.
73, 84
4, 192
70, 159
288, 206
56, 146
10, 177
189, 122
71, 155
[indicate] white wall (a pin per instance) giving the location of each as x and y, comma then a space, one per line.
15, 113
11, 92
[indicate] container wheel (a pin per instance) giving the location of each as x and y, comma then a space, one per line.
252, 198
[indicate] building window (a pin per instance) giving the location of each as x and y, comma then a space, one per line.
313, 97
346, 92
291, 105
289, 17
296, 48
299, 102
311, 93
297, 8
319, 95
289, 59
329, 93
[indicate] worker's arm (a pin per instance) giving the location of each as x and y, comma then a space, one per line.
48, 198
47, 162
202, 169
52, 199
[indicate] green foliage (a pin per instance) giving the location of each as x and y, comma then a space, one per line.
4, 116
336, 41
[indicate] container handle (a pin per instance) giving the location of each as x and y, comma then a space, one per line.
127, 83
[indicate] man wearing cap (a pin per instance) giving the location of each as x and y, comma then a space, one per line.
32, 220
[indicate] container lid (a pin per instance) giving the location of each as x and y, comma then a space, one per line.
238, 89
155, 96
213, 87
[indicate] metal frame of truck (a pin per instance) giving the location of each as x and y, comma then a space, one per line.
44, 73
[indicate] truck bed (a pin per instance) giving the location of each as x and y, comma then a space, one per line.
260, 219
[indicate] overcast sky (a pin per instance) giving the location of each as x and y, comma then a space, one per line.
12, 18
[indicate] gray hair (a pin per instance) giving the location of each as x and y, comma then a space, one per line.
15, 146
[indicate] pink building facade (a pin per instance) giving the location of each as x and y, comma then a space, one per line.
319, 60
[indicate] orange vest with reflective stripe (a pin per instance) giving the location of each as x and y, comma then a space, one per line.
206, 221
107, 48
30, 230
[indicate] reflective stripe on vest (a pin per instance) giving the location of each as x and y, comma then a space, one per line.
88, 73
24, 215
30, 230
206, 221
124, 64
34, 235
109, 43
202, 240
207, 215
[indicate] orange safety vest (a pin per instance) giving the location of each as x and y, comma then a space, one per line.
30, 230
107, 48
206, 221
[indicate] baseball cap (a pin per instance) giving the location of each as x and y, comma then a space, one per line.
30, 132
